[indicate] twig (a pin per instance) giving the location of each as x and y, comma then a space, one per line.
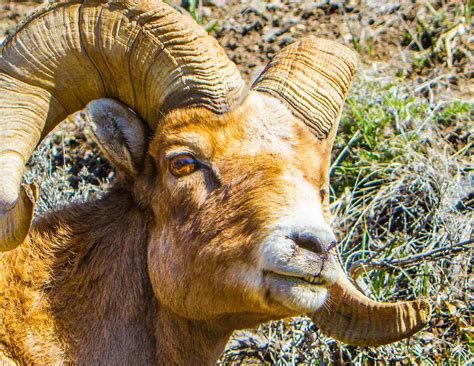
344, 151
413, 36
362, 266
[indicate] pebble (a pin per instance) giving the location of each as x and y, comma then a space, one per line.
300, 27
206, 12
215, 3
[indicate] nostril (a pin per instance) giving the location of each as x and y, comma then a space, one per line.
308, 241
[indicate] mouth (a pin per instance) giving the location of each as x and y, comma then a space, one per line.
300, 293
310, 280
294, 276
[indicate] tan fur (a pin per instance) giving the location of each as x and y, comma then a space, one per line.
161, 270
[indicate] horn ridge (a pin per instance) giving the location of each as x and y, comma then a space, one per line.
143, 53
312, 77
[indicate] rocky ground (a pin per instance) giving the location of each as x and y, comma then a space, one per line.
402, 177
422, 41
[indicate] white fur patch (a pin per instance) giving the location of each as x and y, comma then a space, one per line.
305, 212
280, 254
267, 128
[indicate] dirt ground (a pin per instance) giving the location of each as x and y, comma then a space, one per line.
424, 47
429, 42
418, 40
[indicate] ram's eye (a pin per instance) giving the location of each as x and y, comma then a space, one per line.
183, 164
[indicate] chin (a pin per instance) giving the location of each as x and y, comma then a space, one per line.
296, 294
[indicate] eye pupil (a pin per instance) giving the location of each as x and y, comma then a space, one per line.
183, 164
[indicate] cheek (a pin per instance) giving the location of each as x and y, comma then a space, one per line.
188, 192
200, 280
167, 270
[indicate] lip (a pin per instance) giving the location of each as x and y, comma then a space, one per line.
299, 293
304, 279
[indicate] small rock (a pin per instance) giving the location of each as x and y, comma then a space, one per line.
286, 41
321, 4
206, 12
231, 45
256, 25
270, 33
427, 337
333, 6
216, 3
255, 6
300, 27
274, 5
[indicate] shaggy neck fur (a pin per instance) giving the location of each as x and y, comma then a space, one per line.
185, 342
81, 294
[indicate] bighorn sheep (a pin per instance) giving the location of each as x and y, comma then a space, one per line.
217, 220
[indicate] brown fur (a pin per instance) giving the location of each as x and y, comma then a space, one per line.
156, 270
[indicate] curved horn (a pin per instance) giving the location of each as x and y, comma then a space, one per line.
312, 77
353, 318
142, 53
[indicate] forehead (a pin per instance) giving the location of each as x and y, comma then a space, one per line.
265, 125
261, 125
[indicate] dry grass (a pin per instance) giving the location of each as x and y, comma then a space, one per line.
402, 203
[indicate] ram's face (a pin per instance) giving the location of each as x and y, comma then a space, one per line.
240, 203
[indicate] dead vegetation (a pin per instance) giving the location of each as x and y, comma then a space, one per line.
402, 203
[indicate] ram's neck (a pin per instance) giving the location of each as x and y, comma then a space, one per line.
185, 342
83, 284
77, 291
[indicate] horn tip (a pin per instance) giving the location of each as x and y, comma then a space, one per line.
423, 308
15, 223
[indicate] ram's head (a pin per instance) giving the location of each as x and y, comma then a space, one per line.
236, 182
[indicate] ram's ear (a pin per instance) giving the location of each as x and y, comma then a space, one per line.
120, 133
